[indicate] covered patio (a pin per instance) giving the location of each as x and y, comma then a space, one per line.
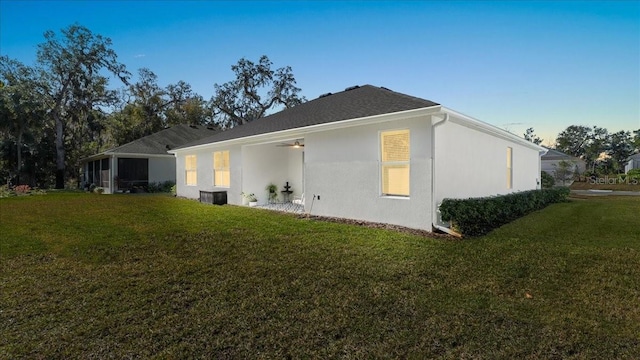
275, 163
288, 207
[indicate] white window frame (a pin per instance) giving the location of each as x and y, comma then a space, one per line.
222, 169
395, 163
191, 168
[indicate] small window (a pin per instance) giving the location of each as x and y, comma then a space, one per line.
191, 170
221, 173
509, 168
394, 165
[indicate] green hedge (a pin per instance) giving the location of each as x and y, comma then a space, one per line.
478, 216
160, 187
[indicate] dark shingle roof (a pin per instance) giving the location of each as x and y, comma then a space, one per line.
553, 154
160, 142
354, 102
634, 157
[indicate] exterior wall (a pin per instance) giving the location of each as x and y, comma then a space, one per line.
342, 175
471, 163
633, 163
162, 169
204, 158
269, 163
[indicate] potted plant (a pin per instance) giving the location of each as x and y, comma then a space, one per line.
273, 192
251, 198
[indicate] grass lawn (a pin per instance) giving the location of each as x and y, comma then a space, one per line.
120, 276
585, 185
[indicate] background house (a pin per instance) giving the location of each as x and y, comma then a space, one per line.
552, 162
365, 153
140, 162
633, 162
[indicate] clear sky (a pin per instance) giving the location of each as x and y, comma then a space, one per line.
514, 64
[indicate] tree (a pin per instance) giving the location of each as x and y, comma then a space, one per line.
530, 135
151, 108
547, 181
71, 80
256, 90
574, 140
636, 140
20, 109
584, 142
184, 106
620, 148
564, 170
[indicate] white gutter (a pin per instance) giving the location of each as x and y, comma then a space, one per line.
434, 212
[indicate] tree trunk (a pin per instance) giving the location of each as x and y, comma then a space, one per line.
19, 149
59, 152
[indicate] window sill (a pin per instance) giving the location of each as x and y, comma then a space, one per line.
395, 197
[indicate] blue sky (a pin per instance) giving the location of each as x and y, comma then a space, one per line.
514, 64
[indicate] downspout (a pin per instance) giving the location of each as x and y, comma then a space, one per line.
434, 210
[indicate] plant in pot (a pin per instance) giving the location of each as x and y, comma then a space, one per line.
251, 198
272, 189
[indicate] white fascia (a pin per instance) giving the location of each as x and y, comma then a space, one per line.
134, 155
300, 132
486, 128
107, 154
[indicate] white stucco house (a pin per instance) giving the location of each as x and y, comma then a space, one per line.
141, 161
633, 162
366, 153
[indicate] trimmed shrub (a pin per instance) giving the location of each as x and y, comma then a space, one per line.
478, 216
547, 180
160, 187
6, 191
20, 190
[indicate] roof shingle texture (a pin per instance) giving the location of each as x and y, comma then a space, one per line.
363, 101
553, 154
157, 143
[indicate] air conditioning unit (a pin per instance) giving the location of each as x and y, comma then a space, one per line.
213, 197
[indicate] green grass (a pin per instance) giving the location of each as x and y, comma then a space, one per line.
119, 276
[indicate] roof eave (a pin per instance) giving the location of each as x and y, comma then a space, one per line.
471, 122
109, 153
299, 132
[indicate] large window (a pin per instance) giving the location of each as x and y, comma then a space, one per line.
221, 173
394, 166
509, 168
191, 170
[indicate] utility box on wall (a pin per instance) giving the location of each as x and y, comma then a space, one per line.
213, 197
